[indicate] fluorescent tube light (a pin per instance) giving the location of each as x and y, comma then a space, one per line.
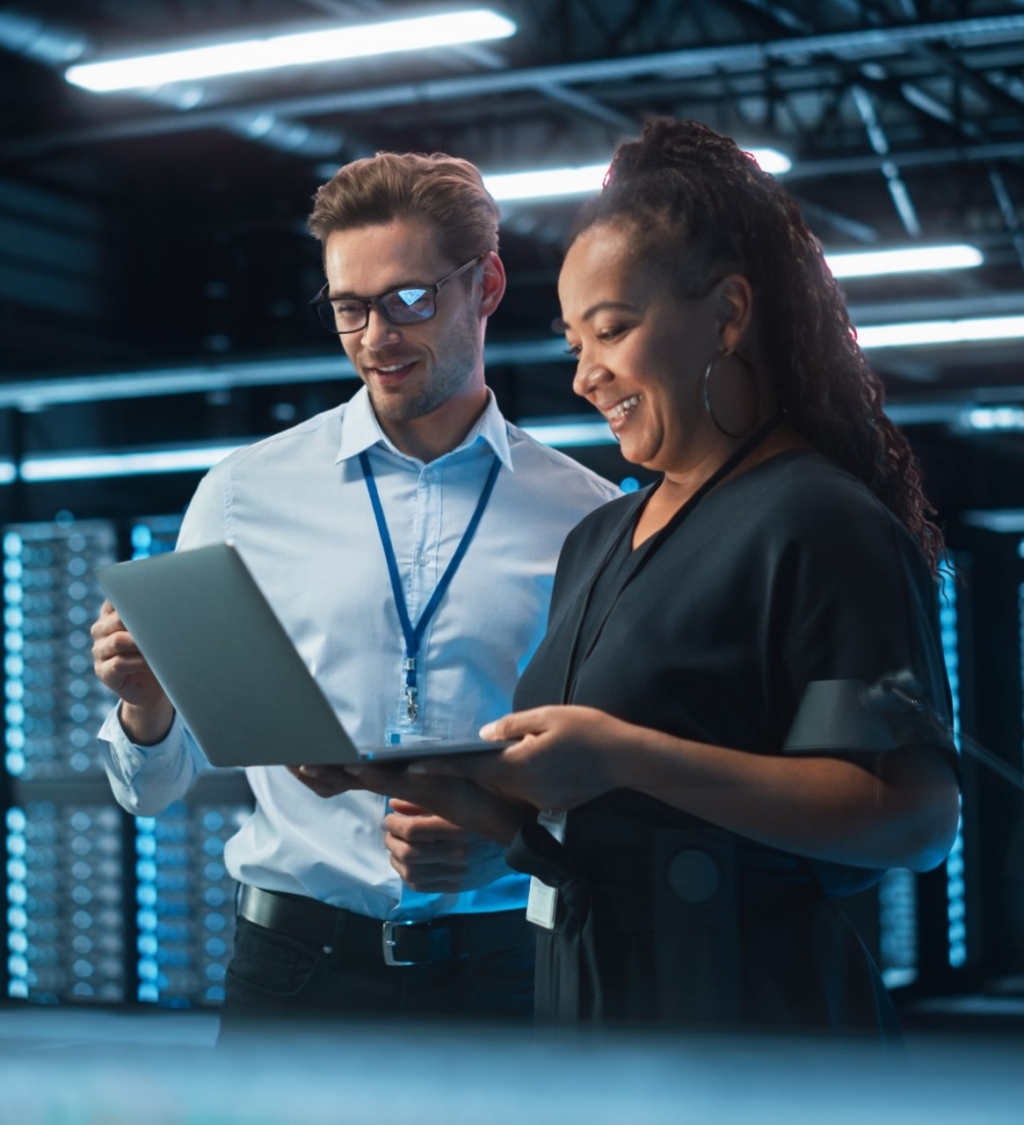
934, 332
911, 259
566, 435
126, 464
562, 433
274, 52
1001, 520
771, 160
584, 179
550, 183
995, 418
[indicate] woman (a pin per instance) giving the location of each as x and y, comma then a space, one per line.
740, 700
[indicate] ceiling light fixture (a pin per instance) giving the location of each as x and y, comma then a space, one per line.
548, 183
303, 49
556, 183
123, 463
562, 433
995, 418
770, 160
929, 333
910, 259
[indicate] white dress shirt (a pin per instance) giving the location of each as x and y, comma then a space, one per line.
297, 508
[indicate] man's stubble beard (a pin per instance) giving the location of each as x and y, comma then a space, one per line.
451, 374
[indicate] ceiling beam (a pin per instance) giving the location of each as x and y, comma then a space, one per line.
31, 393
908, 158
489, 59
734, 58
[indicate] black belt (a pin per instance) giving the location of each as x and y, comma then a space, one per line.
451, 937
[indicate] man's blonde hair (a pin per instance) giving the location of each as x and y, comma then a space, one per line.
444, 192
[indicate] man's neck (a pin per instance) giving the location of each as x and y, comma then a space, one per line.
438, 432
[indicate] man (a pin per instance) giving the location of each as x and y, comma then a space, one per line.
350, 523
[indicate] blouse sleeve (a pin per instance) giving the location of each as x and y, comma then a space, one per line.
862, 653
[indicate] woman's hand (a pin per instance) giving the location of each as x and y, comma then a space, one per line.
564, 757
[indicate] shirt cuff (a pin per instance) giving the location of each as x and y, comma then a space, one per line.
132, 753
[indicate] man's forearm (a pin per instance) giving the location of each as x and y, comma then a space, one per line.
146, 726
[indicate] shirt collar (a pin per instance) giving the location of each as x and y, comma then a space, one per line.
360, 430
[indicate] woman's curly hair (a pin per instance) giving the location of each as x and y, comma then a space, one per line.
703, 209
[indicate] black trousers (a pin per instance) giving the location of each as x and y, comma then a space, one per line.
274, 975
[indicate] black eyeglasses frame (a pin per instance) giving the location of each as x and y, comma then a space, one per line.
323, 298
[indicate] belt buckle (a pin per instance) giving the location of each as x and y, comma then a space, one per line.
389, 942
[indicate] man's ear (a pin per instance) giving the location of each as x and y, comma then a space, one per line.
492, 284
734, 309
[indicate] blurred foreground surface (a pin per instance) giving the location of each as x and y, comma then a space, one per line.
82, 1067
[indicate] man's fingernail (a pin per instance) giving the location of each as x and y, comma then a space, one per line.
487, 730
309, 771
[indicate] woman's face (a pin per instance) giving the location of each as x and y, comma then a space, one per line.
641, 351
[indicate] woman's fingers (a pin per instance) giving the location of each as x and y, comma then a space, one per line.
510, 728
490, 767
407, 808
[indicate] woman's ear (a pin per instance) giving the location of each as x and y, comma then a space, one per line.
734, 310
492, 284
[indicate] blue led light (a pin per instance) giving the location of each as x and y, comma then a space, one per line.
956, 909
14, 643
142, 537
897, 897
17, 896
146, 919
145, 894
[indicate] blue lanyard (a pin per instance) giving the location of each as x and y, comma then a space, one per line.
413, 635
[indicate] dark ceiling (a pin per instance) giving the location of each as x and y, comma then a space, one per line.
143, 232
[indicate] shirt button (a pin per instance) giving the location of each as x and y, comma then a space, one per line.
422, 558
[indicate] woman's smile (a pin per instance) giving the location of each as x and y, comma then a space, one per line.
619, 413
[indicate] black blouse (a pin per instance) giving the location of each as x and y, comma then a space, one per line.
790, 573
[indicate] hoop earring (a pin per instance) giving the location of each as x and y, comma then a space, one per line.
749, 371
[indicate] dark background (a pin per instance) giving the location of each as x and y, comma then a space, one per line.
153, 250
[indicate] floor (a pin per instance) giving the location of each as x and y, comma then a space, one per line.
85, 1067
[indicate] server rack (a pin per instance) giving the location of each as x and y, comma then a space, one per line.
102, 907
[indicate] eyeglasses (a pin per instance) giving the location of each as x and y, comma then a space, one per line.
410, 305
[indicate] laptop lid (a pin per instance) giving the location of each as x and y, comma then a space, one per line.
231, 670
225, 660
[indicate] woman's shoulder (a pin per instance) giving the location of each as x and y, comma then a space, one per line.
803, 490
807, 509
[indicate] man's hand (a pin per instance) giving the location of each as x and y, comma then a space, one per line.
146, 712
326, 781
435, 856
455, 800
430, 853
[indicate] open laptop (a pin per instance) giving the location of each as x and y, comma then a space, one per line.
231, 670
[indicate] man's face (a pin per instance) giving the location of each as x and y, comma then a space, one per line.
413, 370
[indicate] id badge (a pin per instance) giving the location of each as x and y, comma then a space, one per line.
401, 729
543, 900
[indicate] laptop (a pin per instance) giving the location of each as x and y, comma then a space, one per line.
231, 670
